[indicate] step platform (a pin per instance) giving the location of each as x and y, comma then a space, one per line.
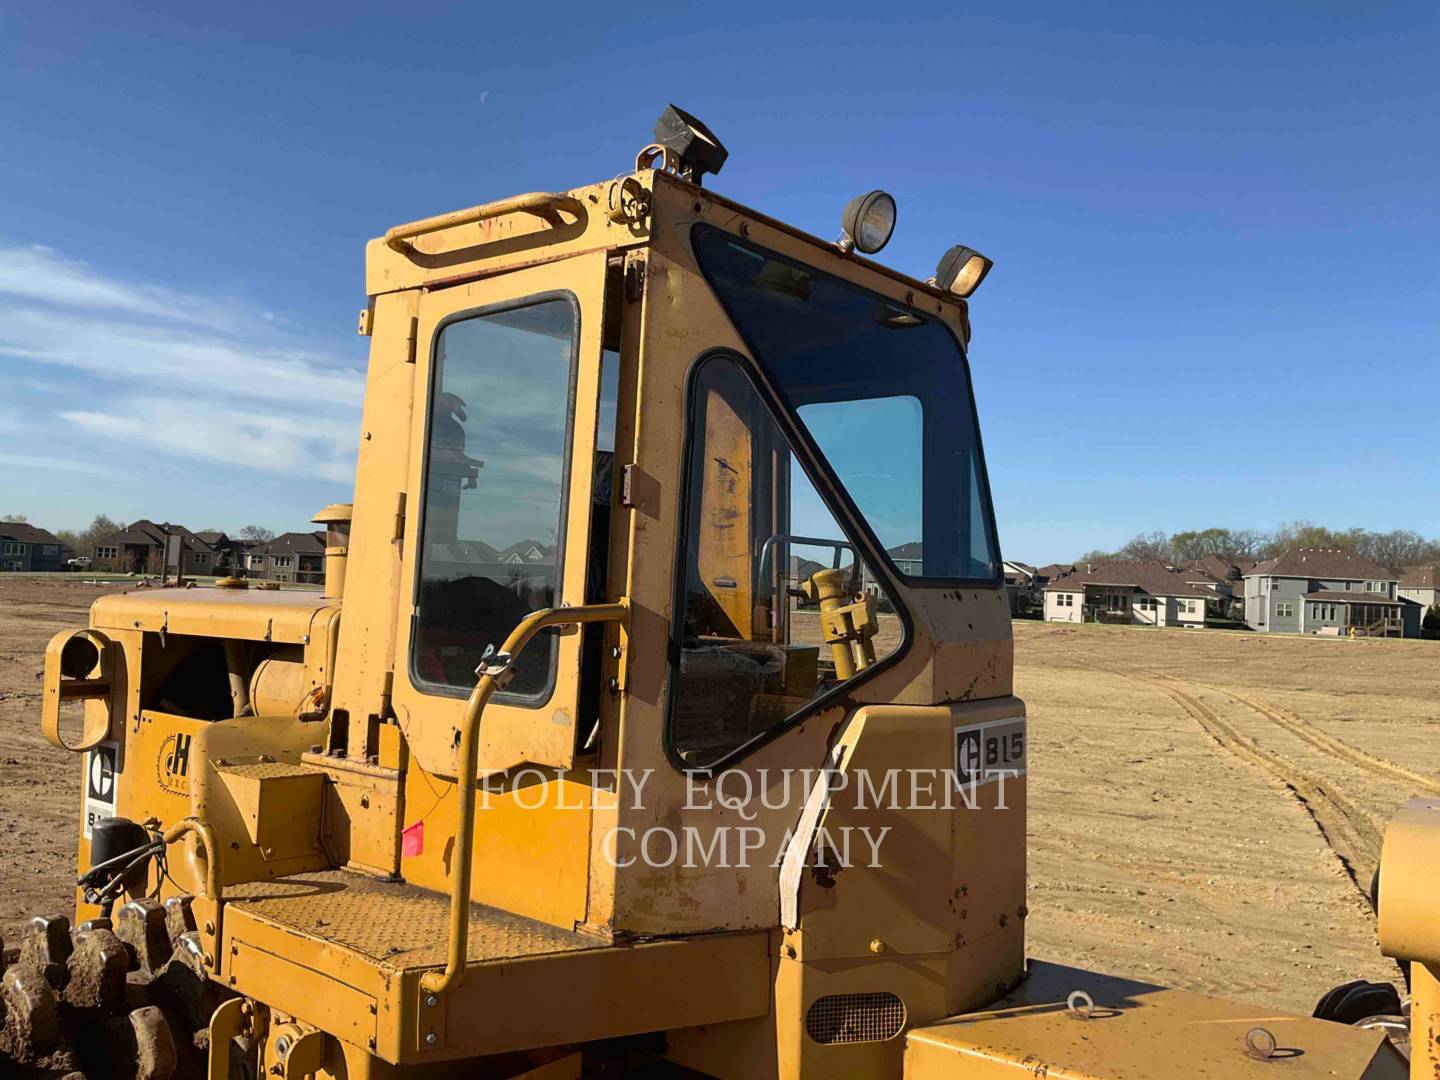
345, 952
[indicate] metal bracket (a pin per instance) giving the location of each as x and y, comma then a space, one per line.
634, 276
497, 666
411, 336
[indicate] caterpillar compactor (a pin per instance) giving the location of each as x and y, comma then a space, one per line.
655, 716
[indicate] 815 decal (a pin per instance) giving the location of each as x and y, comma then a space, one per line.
985, 752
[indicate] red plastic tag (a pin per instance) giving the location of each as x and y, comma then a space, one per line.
412, 840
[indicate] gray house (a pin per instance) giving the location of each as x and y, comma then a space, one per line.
1327, 591
292, 556
1421, 584
26, 547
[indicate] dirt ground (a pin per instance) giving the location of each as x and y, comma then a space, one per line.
1206, 807
39, 785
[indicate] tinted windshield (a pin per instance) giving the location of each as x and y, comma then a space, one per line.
882, 390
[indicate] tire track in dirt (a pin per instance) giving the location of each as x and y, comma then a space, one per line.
1348, 831
1307, 732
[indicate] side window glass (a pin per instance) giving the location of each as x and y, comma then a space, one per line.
494, 491
874, 445
776, 608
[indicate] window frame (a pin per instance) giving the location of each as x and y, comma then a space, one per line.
800, 433
443, 690
883, 573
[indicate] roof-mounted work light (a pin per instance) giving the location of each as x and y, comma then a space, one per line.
961, 270
867, 223
694, 145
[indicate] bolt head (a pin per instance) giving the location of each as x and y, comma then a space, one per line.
431, 1038
431, 1000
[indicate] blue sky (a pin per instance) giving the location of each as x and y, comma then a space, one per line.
1216, 230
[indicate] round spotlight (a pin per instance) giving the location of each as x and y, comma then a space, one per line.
867, 222
961, 270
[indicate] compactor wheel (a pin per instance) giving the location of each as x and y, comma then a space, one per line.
129, 998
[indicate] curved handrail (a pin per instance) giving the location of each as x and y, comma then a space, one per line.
206, 835
494, 672
543, 204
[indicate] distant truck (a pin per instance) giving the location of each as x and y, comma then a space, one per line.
79, 562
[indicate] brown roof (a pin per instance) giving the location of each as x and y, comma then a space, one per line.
26, 533
1321, 563
1354, 597
1213, 565
1146, 575
1196, 575
147, 533
1420, 577
293, 543
1055, 570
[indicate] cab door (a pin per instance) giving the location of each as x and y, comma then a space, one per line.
501, 486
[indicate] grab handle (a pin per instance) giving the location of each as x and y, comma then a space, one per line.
543, 204
494, 672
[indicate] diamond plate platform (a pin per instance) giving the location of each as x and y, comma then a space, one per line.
397, 926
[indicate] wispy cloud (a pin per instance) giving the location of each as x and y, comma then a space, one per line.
38, 273
198, 379
247, 438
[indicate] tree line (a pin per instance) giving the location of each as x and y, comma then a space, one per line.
1395, 550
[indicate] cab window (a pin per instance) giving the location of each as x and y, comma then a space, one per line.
776, 610
495, 478
882, 391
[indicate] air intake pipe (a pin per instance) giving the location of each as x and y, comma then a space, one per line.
336, 519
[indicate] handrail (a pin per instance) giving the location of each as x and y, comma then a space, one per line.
543, 204
494, 671
206, 835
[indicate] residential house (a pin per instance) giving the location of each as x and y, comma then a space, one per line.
1044, 575
1218, 567
1327, 591
1019, 586
1224, 601
1137, 593
908, 558
139, 548
1421, 584
229, 554
291, 556
28, 547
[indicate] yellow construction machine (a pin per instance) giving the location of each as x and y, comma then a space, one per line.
655, 718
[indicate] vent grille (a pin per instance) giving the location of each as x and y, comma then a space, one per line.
855, 1018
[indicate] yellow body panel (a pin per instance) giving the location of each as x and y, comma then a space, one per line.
1137, 1032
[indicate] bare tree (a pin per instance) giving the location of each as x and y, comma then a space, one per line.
16, 519
259, 533
1155, 545
1397, 549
